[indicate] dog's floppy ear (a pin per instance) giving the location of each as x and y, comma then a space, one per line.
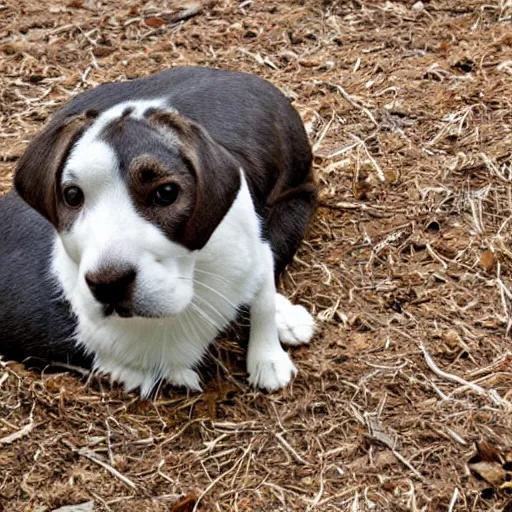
216, 171
37, 173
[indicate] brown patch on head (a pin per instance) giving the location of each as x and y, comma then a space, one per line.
146, 175
148, 170
149, 162
215, 170
37, 175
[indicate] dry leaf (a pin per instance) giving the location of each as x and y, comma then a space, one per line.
155, 22
186, 504
392, 176
360, 463
487, 452
491, 472
103, 51
384, 458
490, 464
76, 4
360, 189
361, 184
487, 260
361, 341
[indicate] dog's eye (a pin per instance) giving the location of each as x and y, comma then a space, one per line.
166, 194
73, 197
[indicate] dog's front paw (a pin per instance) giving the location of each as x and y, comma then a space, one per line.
271, 371
294, 324
184, 377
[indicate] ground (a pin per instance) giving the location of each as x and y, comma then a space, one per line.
407, 267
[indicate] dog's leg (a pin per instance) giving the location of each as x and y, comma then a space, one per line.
268, 365
131, 378
184, 377
294, 324
286, 226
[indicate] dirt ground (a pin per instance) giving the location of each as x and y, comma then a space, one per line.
408, 266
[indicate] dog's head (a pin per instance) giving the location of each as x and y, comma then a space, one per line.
134, 193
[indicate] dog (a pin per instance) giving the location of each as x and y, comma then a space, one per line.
144, 216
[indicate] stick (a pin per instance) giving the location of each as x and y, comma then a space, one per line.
92, 456
353, 102
88, 454
454, 499
493, 395
22, 432
296, 457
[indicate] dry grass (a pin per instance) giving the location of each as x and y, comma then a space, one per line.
407, 268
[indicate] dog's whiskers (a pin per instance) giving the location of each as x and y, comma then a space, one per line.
217, 276
207, 318
222, 315
193, 326
213, 290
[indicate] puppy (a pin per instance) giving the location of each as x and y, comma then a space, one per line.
144, 216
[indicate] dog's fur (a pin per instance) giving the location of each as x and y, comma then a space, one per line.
139, 290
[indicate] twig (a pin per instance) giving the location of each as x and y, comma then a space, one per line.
296, 457
377, 167
379, 435
88, 454
84, 372
186, 14
436, 256
456, 437
22, 432
319, 494
219, 478
492, 394
92, 456
353, 102
454, 499
322, 135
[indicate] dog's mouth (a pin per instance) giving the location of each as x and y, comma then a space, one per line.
129, 309
115, 310
121, 311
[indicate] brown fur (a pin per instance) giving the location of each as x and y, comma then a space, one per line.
216, 171
146, 173
37, 175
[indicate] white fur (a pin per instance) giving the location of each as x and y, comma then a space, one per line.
269, 366
294, 324
194, 295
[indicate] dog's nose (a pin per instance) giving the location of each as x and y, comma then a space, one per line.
111, 285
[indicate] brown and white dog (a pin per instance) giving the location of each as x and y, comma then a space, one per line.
145, 215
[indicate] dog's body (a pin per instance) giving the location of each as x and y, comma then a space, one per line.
177, 199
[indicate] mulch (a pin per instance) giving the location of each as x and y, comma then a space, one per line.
403, 401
